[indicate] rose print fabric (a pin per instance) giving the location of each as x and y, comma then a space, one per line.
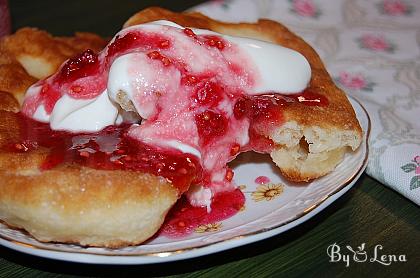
305, 8
372, 50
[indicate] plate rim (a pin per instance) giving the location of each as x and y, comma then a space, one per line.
197, 251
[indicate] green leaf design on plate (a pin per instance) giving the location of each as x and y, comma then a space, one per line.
409, 167
415, 182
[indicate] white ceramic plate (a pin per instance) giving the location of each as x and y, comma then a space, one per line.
259, 219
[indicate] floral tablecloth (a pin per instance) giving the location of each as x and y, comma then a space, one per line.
372, 50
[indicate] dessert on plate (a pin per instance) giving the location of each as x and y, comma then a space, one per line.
101, 146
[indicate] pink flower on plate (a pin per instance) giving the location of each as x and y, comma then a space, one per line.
395, 7
305, 8
354, 81
376, 43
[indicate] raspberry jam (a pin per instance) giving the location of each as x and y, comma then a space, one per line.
109, 149
215, 41
210, 125
81, 65
184, 219
138, 40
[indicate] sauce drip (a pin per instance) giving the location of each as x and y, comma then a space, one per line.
183, 218
262, 180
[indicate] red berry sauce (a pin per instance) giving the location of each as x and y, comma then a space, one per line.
184, 218
210, 125
109, 149
82, 65
262, 180
214, 41
136, 40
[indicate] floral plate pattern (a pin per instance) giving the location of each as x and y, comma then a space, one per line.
271, 208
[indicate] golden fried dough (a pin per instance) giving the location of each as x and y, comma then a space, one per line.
41, 54
82, 205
